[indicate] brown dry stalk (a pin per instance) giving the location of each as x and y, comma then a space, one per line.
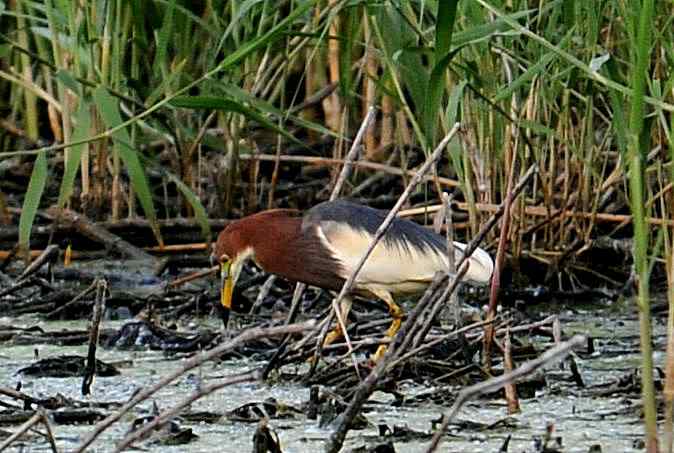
510, 389
329, 161
333, 112
543, 211
369, 86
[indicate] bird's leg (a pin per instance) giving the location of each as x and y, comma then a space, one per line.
396, 314
336, 333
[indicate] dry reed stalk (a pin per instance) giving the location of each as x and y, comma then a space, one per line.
52, 114
50, 432
333, 113
498, 262
94, 334
668, 390
401, 343
369, 87
510, 388
542, 211
387, 116
343, 175
328, 161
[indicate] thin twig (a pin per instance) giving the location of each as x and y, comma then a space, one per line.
57, 311
489, 224
402, 341
417, 350
498, 263
50, 433
329, 161
99, 307
292, 314
439, 303
48, 255
343, 175
352, 154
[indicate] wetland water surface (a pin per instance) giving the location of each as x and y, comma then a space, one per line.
580, 417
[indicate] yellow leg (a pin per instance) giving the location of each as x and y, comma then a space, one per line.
397, 314
336, 333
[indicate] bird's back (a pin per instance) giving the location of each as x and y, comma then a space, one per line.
404, 261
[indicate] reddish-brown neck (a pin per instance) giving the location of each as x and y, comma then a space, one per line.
262, 232
281, 246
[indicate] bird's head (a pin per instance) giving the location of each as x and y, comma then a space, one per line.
230, 251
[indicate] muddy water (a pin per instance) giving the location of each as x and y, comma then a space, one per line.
580, 420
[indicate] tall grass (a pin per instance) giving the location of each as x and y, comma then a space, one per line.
638, 146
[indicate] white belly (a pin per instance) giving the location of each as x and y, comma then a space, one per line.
393, 267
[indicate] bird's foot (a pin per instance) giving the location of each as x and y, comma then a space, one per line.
379, 354
335, 334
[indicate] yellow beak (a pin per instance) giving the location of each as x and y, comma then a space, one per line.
67, 257
226, 284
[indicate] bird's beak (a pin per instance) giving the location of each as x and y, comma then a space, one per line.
226, 284
229, 274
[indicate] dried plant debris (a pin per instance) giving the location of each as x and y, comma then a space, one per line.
377, 448
66, 366
269, 409
63, 416
265, 440
168, 433
148, 335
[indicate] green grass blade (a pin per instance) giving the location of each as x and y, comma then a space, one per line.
435, 88
261, 41
31, 202
444, 27
529, 74
433, 97
455, 97
81, 132
350, 25
109, 110
401, 49
193, 200
242, 10
619, 121
228, 105
569, 12
163, 39
266, 108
